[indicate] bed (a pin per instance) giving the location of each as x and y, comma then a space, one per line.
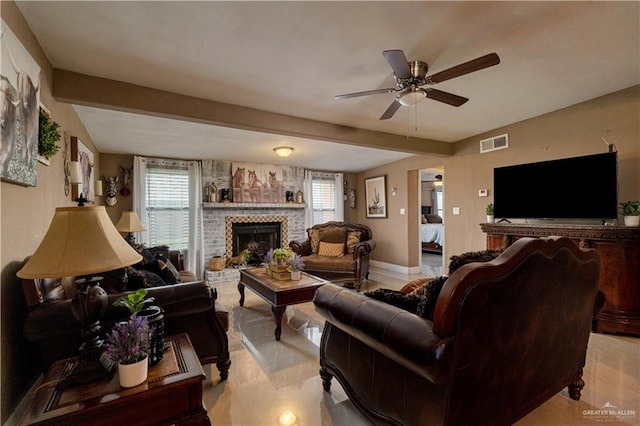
432, 233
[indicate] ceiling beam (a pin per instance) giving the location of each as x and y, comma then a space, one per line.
82, 89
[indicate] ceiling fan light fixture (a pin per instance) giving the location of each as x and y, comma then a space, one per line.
283, 151
412, 97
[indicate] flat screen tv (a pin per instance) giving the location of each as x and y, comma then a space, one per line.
570, 188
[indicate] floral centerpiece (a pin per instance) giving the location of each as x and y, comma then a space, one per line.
268, 257
296, 264
128, 341
128, 346
281, 255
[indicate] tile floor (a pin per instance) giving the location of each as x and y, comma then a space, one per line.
268, 378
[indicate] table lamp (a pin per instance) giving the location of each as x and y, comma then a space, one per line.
82, 241
130, 223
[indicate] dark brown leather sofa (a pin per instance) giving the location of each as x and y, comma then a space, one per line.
189, 307
506, 336
351, 268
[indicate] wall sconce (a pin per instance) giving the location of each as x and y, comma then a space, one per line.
98, 189
394, 190
438, 181
283, 151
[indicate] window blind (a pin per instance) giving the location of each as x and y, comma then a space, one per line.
324, 198
167, 196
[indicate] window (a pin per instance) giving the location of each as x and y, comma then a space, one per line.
439, 203
324, 195
324, 199
167, 201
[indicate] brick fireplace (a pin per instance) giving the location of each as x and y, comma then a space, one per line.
218, 229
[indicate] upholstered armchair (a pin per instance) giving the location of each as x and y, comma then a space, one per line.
504, 337
337, 251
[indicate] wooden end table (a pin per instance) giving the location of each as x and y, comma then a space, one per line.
172, 394
278, 293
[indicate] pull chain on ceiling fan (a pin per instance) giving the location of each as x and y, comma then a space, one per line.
412, 76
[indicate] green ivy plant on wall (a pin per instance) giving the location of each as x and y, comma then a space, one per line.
48, 136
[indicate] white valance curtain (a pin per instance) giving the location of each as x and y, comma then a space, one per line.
323, 194
194, 257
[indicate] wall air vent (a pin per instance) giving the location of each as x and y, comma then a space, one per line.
494, 143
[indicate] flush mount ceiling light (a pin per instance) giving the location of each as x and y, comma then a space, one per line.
283, 151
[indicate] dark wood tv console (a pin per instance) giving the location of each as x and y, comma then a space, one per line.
619, 251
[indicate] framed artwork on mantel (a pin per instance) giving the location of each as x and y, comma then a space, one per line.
376, 197
83, 155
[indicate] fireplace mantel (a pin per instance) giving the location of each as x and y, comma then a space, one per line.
253, 205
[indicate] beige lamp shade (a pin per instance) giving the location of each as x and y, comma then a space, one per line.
80, 241
129, 222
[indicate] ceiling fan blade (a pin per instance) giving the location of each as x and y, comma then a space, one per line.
447, 98
368, 92
477, 64
398, 62
395, 105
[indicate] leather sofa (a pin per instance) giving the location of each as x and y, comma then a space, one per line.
189, 307
505, 336
352, 266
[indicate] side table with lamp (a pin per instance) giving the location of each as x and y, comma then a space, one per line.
82, 241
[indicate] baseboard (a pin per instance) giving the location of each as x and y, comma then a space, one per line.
409, 270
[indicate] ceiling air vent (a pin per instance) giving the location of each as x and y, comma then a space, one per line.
494, 143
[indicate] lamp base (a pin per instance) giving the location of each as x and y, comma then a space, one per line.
88, 306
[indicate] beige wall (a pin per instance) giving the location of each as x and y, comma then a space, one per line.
570, 132
25, 215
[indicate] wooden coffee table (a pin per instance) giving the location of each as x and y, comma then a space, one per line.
278, 293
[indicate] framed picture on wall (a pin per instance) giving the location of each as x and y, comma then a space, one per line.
376, 197
19, 114
83, 155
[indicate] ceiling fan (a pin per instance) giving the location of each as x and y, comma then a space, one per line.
411, 76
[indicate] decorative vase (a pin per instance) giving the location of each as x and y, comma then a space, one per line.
631, 220
295, 275
155, 318
131, 375
490, 218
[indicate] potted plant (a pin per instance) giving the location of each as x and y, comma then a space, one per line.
281, 256
296, 264
155, 316
268, 257
134, 301
48, 136
128, 346
489, 211
631, 212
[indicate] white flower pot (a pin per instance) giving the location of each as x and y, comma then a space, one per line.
131, 375
490, 218
632, 220
295, 275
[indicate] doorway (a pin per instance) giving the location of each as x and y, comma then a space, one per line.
432, 226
